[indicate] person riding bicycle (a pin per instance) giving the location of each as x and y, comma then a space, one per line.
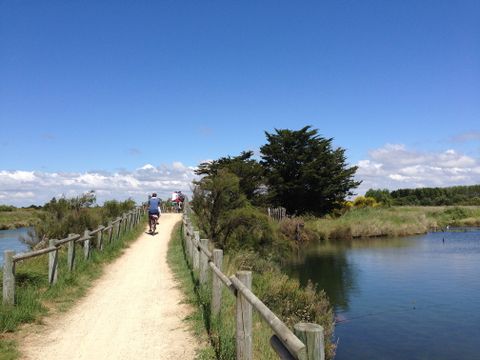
153, 209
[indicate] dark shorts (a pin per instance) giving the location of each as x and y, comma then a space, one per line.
153, 213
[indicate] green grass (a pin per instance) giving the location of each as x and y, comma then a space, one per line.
19, 218
35, 298
392, 221
193, 295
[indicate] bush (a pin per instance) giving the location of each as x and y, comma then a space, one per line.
7, 208
66, 216
250, 229
294, 230
364, 201
113, 208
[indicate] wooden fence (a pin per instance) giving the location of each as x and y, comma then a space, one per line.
97, 237
305, 343
278, 213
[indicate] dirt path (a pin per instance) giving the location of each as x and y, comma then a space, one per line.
134, 311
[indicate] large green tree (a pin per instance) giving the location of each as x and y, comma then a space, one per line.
304, 173
248, 170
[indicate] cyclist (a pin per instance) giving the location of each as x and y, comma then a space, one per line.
153, 210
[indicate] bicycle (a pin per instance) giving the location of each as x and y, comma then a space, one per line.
152, 222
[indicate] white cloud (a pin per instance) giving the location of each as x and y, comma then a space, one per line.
23, 188
394, 166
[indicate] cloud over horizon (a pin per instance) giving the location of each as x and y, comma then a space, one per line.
394, 166
23, 188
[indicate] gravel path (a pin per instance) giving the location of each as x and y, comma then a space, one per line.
134, 311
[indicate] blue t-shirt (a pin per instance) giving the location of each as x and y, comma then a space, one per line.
153, 204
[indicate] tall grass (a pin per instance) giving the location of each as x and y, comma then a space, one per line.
35, 298
16, 218
391, 221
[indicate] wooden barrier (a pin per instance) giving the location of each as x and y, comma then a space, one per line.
203, 261
53, 263
10, 258
8, 278
71, 254
307, 343
196, 250
217, 283
277, 214
243, 311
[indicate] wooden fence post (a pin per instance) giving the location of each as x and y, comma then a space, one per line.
196, 253
8, 278
119, 225
217, 283
312, 336
110, 231
244, 319
71, 254
188, 239
100, 240
52, 263
203, 263
86, 244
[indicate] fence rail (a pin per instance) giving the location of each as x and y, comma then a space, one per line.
113, 231
305, 343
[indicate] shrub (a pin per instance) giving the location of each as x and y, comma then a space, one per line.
65, 216
7, 208
364, 201
294, 229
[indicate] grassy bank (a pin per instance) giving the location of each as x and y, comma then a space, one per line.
35, 298
391, 221
280, 293
17, 218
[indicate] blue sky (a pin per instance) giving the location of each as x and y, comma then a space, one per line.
96, 93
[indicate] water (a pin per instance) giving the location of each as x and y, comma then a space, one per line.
409, 298
10, 240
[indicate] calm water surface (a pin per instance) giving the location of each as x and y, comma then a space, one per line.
10, 240
409, 298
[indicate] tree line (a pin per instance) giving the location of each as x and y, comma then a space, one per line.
428, 196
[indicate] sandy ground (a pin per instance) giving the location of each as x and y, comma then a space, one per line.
133, 311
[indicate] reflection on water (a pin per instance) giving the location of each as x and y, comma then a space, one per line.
328, 267
409, 298
10, 240
329, 270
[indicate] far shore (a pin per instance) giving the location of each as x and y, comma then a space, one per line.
392, 221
